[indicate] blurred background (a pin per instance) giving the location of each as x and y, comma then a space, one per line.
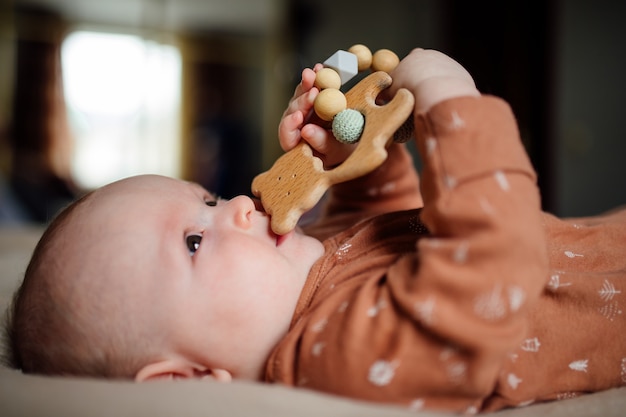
95, 90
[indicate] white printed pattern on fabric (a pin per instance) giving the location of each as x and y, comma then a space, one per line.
502, 181
455, 368
342, 251
316, 349
460, 253
319, 326
457, 122
531, 345
525, 403
610, 310
490, 306
517, 296
513, 381
471, 410
486, 206
450, 181
571, 254
382, 372
433, 242
608, 291
456, 372
417, 404
448, 352
579, 365
431, 145
555, 283
424, 310
567, 395
382, 190
375, 309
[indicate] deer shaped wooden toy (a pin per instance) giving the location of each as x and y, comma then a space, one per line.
298, 180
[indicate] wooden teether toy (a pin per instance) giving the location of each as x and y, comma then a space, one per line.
297, 180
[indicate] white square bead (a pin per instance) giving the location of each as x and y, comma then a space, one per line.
345, 63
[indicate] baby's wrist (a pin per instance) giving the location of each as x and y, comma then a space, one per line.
436, 90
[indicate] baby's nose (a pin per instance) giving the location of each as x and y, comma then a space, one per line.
241, 208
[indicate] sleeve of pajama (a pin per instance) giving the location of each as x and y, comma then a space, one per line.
486, 257
485, 262
391, 187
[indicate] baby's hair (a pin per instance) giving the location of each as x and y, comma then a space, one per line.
43, 335
23, 336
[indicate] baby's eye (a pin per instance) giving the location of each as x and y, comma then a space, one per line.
193, 243
211, 203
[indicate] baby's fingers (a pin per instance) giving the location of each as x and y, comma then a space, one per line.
289, 130
325, 144
303, 103
308, 80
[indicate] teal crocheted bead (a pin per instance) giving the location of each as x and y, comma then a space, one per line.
348, 126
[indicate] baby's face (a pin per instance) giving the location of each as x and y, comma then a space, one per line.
209, 274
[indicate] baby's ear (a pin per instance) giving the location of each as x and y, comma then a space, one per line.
170, 369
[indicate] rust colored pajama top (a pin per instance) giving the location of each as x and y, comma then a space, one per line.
464, 296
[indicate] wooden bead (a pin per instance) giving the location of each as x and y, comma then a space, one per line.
329, 102
384, 60
327, 78
363, 56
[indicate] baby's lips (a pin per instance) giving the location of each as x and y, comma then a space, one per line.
280, 239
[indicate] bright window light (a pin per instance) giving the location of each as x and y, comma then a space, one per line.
123, 95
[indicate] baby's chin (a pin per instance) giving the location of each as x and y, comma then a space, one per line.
308, 247
296, 234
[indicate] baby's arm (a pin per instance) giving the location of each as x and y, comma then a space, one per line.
475, 279
486, 251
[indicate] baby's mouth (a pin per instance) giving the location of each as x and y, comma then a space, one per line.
280, 239
259, 207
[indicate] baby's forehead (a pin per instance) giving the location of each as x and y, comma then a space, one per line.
111, 226
152, 184
135, 205
113, 205
147, 182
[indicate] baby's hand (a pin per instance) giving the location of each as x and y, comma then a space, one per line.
432, 77
299, 122
300, 106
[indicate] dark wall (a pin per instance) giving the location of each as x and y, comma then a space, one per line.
508, 47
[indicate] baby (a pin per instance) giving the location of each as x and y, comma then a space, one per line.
463, 296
